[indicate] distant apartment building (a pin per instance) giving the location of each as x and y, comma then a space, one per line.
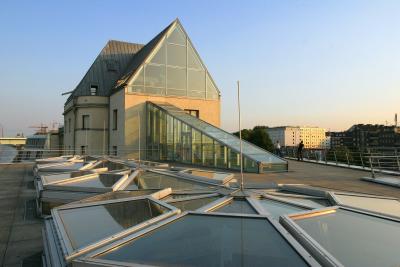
363, 136
290, 136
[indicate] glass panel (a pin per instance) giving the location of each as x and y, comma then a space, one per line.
186, 143
136, 89
276, 208
101, 181
356, 239
150, 180
176, 55
155, 91
314, 203
193, 204
197, 94
63, 176
234, 160
175, 92
155, 76
220, 156
249, 165
177, 37
90, 224
139, 79
196, 240
159, 57
193, 60
208, 151
196, 147
118, 195
196, 80
237, 206
176, 78
177, 140
170, 138
388, 206
212, 92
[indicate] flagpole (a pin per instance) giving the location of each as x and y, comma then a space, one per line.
240, 137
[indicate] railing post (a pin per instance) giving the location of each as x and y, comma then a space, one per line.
397, 159
362, 161
372, 167
347, 157
334, 154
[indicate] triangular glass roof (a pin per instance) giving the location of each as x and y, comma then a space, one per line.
209, 240
173, 58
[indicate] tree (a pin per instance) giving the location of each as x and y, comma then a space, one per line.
257, 136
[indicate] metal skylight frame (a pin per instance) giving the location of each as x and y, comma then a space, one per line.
185, 174
309, 243
90, 260
65, 243
332, 195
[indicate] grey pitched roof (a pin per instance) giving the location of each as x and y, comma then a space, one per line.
107, 68
141, 56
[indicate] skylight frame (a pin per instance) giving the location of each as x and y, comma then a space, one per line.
90, 258
309, 243
64, 185
66, 245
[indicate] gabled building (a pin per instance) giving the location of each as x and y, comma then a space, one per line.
158, 99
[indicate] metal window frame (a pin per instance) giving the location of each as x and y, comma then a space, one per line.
333, 197
65, 185
185, 174
309, 243
91, 260
64, 240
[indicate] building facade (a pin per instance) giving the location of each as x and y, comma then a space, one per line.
109, 111
291, 136
364, 136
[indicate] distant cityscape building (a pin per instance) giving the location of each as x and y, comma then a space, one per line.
363, 136
157, 102
290, 136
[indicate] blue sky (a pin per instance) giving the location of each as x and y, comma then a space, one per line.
322, 63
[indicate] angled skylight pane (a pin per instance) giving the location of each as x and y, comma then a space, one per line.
237, 206
381, 205
276, 208
118, 195
193, 59
310, 202
139, 79
56, 177
159, 56
199, 240
176, 55
177, 36
100, 181
150, 180
85, 225
355, 239
193, 204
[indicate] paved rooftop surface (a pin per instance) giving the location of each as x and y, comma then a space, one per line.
329, 177
20, 230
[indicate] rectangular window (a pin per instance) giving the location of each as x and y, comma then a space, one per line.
85, 122
93, 89
115, 150
193, 112
115, 119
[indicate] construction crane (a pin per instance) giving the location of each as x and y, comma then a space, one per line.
42, 129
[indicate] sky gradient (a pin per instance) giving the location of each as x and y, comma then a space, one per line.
319, 63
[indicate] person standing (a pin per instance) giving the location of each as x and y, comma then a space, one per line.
278, 149
300, 151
